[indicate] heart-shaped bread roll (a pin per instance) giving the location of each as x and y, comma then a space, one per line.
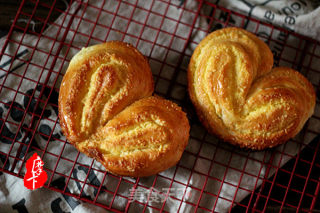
107, 112
240, 98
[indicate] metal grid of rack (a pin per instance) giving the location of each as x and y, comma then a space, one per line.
294, 186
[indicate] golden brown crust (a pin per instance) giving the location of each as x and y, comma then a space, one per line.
104, 96
145, 138
240, 98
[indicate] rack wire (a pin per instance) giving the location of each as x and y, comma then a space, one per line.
31, 126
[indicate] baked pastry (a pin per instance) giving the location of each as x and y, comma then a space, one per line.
240, 98
107, 112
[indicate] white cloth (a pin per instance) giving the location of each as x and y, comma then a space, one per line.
301, 16
13, 195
